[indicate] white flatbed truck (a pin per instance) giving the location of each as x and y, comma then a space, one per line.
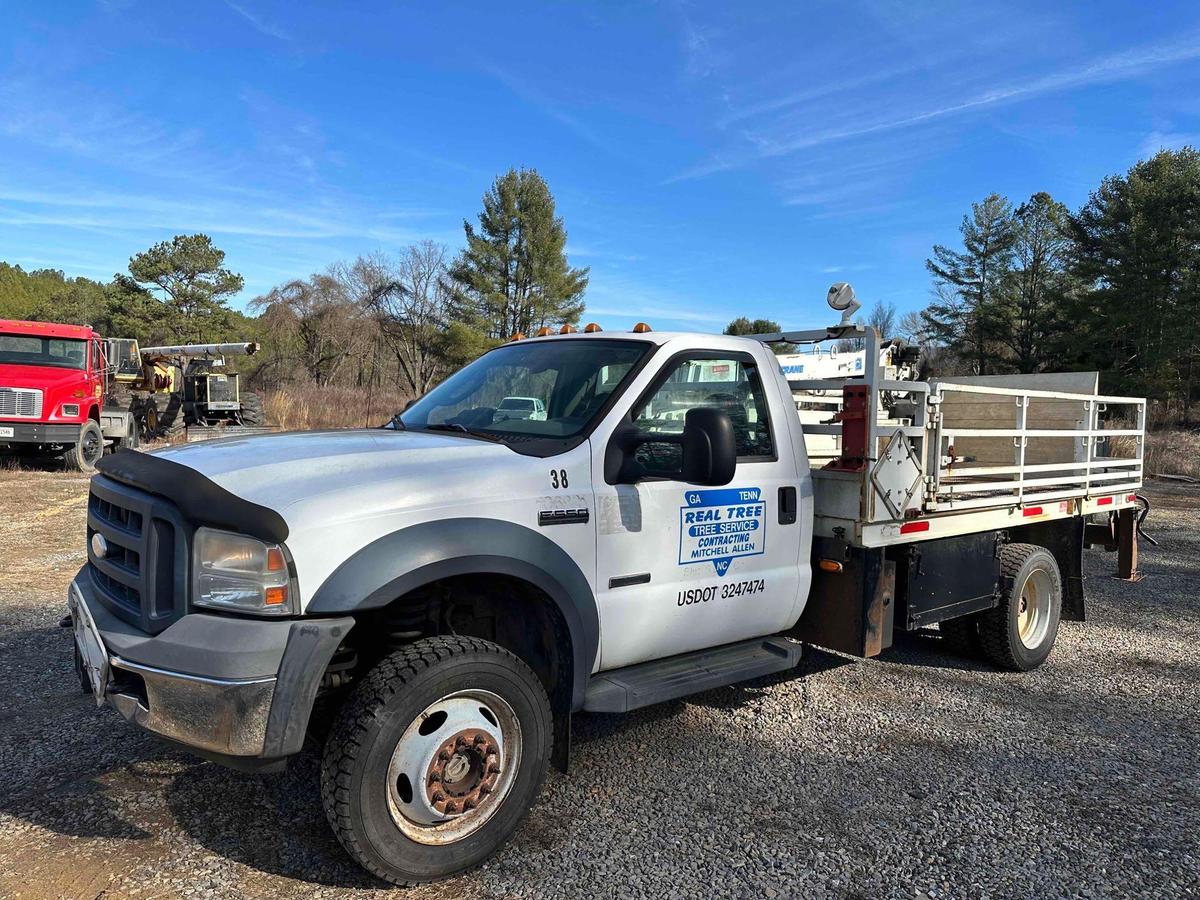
453, 587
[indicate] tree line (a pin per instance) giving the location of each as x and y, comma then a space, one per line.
398, 321
1113, 286
1031, 287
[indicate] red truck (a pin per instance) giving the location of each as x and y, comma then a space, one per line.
54, 395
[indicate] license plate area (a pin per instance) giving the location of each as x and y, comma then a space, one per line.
91, 648
7, 431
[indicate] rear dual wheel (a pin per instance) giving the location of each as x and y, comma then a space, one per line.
435, 758
1019, 633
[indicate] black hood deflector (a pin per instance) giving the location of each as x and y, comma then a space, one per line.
201, 500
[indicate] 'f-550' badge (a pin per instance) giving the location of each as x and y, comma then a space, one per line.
719, 526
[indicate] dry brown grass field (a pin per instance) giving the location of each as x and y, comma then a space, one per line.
306, 407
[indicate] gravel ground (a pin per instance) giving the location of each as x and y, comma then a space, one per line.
916, 774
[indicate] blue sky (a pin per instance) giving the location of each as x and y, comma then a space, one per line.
710, 159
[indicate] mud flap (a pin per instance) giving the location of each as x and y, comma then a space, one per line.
850, 611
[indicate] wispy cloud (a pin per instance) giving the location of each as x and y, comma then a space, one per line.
1166, 140
1115, 67
540, 101
817, 92
100, 211
698, 53
261, 25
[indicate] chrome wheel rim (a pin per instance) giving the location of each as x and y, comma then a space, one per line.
453, 767
1033, 608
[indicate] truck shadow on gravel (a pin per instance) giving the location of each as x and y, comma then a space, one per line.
274, 824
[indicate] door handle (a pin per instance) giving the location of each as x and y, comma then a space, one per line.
787, 506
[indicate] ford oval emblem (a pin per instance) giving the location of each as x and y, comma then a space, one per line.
99, 546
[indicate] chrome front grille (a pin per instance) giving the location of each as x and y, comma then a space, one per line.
137, 553
20, 403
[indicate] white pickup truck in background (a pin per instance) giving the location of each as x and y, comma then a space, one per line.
684, 511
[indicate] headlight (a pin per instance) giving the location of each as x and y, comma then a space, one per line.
239, 573
69, 410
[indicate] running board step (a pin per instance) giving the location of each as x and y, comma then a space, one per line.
689, 673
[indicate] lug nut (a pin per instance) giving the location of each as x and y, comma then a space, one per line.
439, 797
451, 807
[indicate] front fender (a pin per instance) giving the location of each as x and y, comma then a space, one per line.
400, 562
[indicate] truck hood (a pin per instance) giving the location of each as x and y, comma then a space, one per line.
45, 378
326, 476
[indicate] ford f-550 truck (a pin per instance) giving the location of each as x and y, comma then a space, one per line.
454, 586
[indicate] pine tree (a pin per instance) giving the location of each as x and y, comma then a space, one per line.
189, 270
1138, 253
970, 284
1030, 310
513, 275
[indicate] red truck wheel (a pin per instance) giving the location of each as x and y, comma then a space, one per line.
83, 456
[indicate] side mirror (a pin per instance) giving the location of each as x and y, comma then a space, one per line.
709, 448
708, 457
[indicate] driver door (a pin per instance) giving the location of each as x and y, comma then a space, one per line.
682, 567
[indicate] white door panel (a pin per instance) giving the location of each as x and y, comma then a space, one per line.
702, 591
681, 567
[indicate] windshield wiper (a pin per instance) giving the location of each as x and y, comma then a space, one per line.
459, 426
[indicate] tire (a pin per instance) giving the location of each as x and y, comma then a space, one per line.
85, 683
1019, 633
252, 412
133, 436
168, 414
387, 820
961, 636
83, 455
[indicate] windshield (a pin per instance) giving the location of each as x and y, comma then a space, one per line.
548, 389
31, 350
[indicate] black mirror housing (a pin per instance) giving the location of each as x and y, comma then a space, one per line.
709, 447
709, 451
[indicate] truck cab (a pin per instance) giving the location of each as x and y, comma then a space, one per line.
454, 586
52, 395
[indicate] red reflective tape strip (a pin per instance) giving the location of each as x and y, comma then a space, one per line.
910, 527
1104, 501
1032, 511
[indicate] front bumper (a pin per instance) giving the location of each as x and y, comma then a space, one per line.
40, 432
239, 691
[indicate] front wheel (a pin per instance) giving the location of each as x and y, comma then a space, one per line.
435, 757
83, 456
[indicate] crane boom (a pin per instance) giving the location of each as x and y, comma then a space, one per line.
245, 348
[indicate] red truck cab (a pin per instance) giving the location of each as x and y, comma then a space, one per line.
52, 394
